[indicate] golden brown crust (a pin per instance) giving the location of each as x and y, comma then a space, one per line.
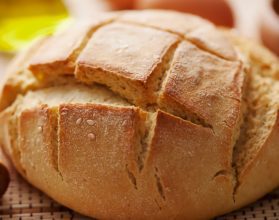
207, 38
109, 140
191, 27
177, 156
168, 157
58, 54
210, 93
92, 163
144, 48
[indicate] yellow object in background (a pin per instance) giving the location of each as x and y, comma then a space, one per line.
24, 20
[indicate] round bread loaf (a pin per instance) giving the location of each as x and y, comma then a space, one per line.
144, 115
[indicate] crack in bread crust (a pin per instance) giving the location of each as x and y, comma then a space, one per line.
131, 177
159, 184
149, 51
196, 42
146, 139
162, 75
196, 30
54, 121
46, 65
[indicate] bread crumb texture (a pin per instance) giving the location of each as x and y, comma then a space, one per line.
144, 115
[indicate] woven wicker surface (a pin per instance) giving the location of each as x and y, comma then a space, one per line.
22, 201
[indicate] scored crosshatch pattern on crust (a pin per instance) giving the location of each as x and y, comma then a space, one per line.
147, 39
158, 87
152, 53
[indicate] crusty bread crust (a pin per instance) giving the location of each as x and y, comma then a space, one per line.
163, 136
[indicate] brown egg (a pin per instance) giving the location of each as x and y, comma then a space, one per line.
218, 11
270, 25
121, 4
4, 179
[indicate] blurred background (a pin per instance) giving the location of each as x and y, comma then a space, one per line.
21, 20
